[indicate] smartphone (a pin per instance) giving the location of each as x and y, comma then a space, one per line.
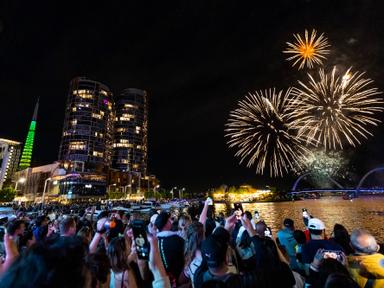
210, 201
238, 206
140, 238
334, 254
257, 215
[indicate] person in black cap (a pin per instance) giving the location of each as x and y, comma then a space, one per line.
288, 242
171, 247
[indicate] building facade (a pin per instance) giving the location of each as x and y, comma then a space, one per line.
130, 147
9, 160
88, 126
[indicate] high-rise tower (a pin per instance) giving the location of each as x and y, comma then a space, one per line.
9, 159
131, 124
88, 126
26, 156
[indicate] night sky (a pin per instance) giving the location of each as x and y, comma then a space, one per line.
196, 59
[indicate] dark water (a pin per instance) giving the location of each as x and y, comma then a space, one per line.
363, 212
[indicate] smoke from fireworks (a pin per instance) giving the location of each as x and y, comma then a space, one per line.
333, 109
262, 132
307, 50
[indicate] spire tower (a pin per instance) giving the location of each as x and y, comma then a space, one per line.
26, 156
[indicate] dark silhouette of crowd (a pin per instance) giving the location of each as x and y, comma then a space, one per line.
71, 246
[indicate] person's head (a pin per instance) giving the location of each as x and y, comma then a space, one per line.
329, 266
99, 266
67, 226
27, 239
261, 227
163, 222
16, 227
363, 242
194, 238
266, 254
248, 215
340, 280
340, 233
118, 254
316, 228
85, 234
299, 236
58, 263
184, 221
289, 224
41, 221
214, 251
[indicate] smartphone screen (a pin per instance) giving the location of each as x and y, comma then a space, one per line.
141, 241
238, 206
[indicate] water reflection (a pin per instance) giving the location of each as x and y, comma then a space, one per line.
364, 212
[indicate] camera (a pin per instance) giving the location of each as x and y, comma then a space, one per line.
110, 224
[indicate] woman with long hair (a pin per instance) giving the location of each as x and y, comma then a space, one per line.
122, 276
192, 253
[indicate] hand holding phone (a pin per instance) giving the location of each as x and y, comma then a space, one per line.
140, 238
209, 201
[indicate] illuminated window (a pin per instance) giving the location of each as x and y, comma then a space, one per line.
135, 166
97, 154
105, 93
129, 106
102, 113
97, 116
73, 109
124, 141
138, 128
138, 147
124, 161
121, 129
77, 145
66, 133
74, 122
82, 105
82, 93
123, 145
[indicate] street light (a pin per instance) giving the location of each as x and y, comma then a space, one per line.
45, 188
172, 192
156, 190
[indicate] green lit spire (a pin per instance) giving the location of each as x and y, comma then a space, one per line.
26, 156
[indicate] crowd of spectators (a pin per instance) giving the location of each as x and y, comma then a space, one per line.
59, 247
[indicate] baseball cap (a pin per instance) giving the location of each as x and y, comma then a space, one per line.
288, 223
214, 251
162, 220
316, 224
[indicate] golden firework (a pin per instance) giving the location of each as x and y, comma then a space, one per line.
308, 50
334, 110
262, 132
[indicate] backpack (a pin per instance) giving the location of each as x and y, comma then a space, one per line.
203, 276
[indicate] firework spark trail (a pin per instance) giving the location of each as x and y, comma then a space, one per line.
333, 109
261, 130
309, 50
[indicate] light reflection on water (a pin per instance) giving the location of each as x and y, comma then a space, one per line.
363, 212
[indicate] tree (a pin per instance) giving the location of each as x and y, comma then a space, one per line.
7, 194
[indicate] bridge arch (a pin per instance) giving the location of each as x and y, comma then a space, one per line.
381, 168
294, 187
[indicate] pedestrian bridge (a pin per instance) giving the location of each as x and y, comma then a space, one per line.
340, 189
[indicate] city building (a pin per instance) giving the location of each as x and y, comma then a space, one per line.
9, 160
130, 145
87, 137
57, 182
88, 126
26, 156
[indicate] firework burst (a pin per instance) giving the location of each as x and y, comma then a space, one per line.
307, 50
262, 132
333, 110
